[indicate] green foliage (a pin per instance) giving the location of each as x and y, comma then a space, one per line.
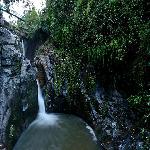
13, 129
145, 138
145, 37
98, 29
102, 32
67, 70
135, 100
141, 104
32, 22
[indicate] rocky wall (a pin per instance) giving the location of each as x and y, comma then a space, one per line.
10, 69
17, 88
105, 109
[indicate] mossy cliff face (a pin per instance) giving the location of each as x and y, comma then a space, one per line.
101, 106
17, 91
23, 111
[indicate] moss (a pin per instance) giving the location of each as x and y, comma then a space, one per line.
145, 137
19, 120
13, 129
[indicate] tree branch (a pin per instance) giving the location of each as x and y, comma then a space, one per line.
12, 14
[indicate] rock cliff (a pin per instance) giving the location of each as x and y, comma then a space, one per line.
16, 74
106, 110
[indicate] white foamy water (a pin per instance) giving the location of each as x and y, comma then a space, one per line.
46, 119
43, 118
40, 100
92, 132
23, 48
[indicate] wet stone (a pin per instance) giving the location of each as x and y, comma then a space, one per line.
6, 62
2, 146
8, 51
6, 37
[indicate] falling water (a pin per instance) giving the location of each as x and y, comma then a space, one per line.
40, 100
23, 49
44, 118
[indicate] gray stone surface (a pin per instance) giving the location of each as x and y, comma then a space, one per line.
8, 51
13, 71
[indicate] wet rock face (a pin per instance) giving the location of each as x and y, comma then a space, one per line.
32, 44
105, 109
10, 63
45, 66
113, 120
17, 82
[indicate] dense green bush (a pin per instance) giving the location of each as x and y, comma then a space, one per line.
32, 22
107, 33
95, 29
141, 104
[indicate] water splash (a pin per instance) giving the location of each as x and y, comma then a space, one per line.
44, 118
91, 132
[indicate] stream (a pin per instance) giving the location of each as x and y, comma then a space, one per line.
56, 132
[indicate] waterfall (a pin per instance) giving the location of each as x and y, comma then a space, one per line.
43, 118
56, 132
40, 100
23, 49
